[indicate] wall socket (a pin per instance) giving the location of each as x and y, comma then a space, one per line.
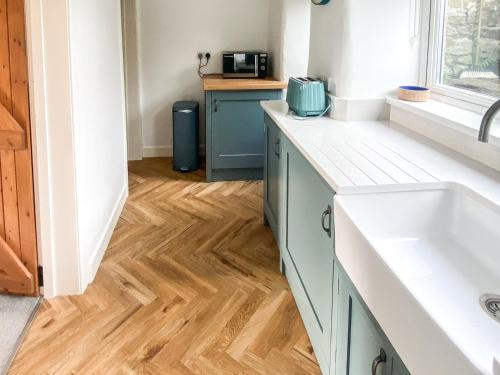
204, 55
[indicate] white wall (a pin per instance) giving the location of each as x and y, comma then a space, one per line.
363, 46
296, 40
329, 53
170, 35
99, 124
289, 35
77, 100
276, 35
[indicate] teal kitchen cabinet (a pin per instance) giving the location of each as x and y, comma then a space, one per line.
235, 134
398, 366
307, 248
298, 204
362, 347
272, 180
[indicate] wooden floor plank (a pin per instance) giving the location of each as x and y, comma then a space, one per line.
190, 284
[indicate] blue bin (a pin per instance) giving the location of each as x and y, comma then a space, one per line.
186, 136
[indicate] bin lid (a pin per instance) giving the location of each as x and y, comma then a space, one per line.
185, 106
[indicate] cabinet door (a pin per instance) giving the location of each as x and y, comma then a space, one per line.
272, 175
310, 244
238, 128
398, 367
367, 346
362, 347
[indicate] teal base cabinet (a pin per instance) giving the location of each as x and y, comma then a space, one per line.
362, 347
272, 176
235, 134
307, 248
298, 205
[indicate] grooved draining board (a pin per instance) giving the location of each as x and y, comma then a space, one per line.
374, 163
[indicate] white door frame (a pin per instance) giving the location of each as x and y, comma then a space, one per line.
132, 79
49, 73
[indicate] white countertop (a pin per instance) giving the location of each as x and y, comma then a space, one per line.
378, 156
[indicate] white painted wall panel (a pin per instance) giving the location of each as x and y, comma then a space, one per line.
99, 124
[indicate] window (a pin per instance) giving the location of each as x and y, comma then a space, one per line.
463, 51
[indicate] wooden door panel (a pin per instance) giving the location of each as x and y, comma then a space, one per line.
7, 157
12, 135
18, 255
21, 111
4, 57
9, 194
14, 276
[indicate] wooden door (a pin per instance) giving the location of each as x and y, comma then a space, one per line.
18, 253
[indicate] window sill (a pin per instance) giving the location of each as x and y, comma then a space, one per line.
458, 119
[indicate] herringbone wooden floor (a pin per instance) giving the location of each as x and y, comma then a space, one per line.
190, 284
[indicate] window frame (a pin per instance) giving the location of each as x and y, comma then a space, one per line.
432, 39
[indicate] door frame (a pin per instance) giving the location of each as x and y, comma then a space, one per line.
47, 40
66, 269
132, 79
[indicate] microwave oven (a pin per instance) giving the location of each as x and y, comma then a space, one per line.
245, 64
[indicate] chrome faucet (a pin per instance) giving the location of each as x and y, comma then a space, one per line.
484, 131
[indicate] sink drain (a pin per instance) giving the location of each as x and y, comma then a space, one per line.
491, 305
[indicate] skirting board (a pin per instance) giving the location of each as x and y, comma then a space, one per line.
95, 260
163, 151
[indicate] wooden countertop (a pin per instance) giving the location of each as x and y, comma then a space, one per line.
217, 83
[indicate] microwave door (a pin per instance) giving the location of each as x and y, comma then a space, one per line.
245, 65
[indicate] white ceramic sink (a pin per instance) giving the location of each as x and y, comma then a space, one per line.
421, 261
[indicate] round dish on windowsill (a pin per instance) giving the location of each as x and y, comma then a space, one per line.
414, 93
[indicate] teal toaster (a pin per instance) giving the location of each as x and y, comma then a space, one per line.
306, 96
